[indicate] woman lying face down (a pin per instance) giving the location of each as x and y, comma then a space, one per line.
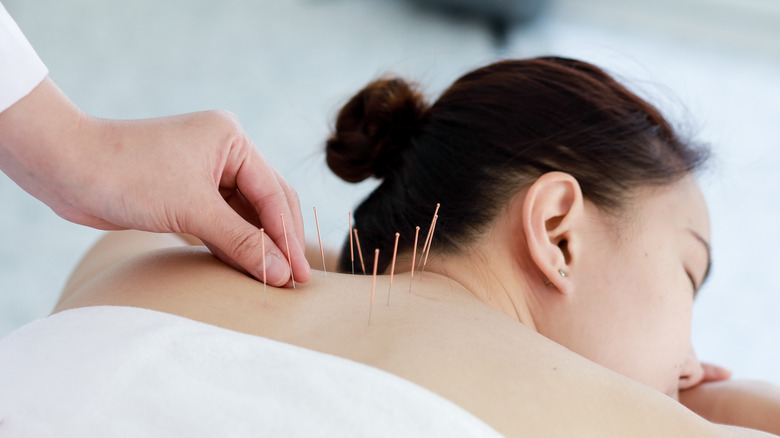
556, 299
567, 202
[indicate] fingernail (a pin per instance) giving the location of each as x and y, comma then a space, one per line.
276, 270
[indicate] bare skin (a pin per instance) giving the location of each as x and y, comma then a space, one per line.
444, 335
171, 174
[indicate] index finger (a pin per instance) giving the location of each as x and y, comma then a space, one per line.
263, 187
295, 208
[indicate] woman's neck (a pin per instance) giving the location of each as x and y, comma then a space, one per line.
489, 281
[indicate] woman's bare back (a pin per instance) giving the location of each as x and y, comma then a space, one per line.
435, 334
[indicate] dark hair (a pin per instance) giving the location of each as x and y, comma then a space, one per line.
493, 132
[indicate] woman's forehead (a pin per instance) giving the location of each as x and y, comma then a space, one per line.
679, 207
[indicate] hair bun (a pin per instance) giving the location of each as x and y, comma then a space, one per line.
373, 128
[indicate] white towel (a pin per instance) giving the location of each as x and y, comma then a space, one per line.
121, 371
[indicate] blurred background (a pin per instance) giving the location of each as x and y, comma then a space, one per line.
286, 66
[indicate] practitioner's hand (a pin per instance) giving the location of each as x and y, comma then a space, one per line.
169, 174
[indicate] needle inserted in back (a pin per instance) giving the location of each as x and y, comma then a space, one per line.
319, 238
351, 246
414, 255
373, 283
287, 245
392, 266
430, 242
262, 248
360, 253
428, 236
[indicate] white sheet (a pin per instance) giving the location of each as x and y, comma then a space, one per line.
121, 371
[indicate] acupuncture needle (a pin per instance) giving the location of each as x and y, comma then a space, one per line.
433, 230
287, 245
265, 280
414, 255
351, 246
392, 267
428, 236
373, 283
360, 253
319, 238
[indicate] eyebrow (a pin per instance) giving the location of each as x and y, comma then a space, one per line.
709, 256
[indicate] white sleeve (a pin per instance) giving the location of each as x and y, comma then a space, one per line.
21, 69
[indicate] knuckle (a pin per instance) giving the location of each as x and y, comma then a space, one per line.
271, 201
229, 118
244, 245
292, 193
222, 120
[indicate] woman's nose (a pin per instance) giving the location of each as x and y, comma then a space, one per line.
691, 373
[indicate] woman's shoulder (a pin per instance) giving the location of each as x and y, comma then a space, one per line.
499, 370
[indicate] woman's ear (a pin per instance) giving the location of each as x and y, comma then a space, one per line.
551, 209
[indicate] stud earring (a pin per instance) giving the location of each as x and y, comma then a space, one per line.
547, 282
561, 271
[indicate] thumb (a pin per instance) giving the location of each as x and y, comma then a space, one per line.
239, 244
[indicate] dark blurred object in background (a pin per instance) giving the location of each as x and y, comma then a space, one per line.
499, 15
